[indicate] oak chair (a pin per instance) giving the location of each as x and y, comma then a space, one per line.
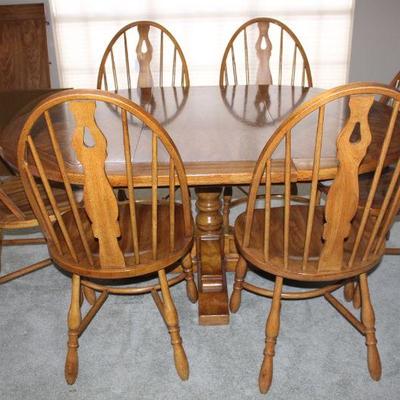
16, 214
395, 83
352, 291
262, 51
100, 238
143, 55
153, 49
325, 244
250, 56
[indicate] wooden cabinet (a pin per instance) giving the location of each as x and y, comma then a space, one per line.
24, 61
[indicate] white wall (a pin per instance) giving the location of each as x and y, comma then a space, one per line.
375, 49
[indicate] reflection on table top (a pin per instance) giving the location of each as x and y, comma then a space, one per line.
219, 132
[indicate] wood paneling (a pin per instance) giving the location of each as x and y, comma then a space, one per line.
24, 61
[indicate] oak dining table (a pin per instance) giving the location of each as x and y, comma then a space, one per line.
219, 132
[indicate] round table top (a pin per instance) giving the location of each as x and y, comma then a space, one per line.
218, 132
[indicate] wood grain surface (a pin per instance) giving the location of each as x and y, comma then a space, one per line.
217, 148
24, 62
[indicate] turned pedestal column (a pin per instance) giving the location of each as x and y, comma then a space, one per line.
213, 297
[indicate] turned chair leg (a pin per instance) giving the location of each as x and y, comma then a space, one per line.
271, 333
348, 291
74, 321
191, 289
81, 297
171, 319
318, 198
357, 296
227, 196
294, 190
368, 319
236, 296
89, 294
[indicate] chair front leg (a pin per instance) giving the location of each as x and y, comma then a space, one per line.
172, 322
74, 321
368, 319
271, 333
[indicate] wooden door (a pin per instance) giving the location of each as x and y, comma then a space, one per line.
24, 61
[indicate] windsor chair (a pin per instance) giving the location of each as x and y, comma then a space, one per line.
16, 214
15, 211
159, 59
326, 244
100, 238
159, 62
351, 290
395, 83
250, 58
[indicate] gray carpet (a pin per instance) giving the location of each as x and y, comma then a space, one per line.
125, 353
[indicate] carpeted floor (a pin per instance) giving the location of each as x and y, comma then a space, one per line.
125, 353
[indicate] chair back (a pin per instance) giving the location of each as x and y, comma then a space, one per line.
142, 54
76, 126
264, 51
395, 83
340, 234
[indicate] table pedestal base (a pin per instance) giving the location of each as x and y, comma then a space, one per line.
213, 295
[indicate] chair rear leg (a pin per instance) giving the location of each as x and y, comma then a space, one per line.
227, 197
348, 291
368, 319
271, 333
191, 289
172, 321
357, 296
90, 295
236, 296
74, 321
294, 190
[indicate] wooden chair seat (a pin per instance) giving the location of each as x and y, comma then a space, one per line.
17, 213
144, 226
297, 230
